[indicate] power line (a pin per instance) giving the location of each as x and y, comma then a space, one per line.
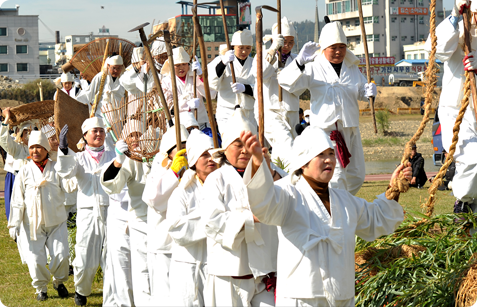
52, 33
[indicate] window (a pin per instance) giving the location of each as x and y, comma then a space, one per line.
329, 8
372, 38
3, 67
403, 19
410, 1
376, 19
22, 67
392, 2
393, 19
421, 37
403, 38
408, 57
375, 2
22, 49
209, 56
411, 19
209, 48
420, 2
216, 48
375, 55
421, 20
218, 29
412, 39
415, 56
3, 50
423, 56
3, 32
347, 6
358, 40
368, 20
216, 55
394, 38
356, 23
402, 1
367, 2
348, 24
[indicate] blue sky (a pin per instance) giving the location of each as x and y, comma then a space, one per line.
85, 16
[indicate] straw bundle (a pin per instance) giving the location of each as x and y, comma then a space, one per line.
139, 121
35, 110
467, 294
89, 59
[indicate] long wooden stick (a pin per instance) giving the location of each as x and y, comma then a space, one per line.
366, 54
467, 49
194, 50
175, 97
279, 28
99, 95
259, 48
227, 41
205, 76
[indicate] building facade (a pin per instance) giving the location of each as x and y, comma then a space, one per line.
389, 24
19, 45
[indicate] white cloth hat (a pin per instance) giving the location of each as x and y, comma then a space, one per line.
309, 144
307, 113
169, 138
38, 138
115, 60
197, 143
23, 126
188, 119
93, 122
48, 130
287, 28
137, 55
180, 56
131, 126
158, 47
242, 38
68, 77
332, 33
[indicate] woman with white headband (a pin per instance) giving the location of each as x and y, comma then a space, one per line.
330, 71
38, 204
68, 85
317, 225
188, 270
92, 204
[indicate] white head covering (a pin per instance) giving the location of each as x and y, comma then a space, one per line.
242, 38
23, 126
287, 30
188, 119
197, 143
169, 138
137, 55
308, 145
90, 123
179, 55
115, 60
132, 125
306, 113
68, 77
48, 130
158, 47
38, 138
333, 33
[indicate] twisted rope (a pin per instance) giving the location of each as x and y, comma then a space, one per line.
401, 184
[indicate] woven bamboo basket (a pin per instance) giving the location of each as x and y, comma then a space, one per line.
89, 59
139, 121
35, 110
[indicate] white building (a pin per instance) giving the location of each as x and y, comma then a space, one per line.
389, 24
65, 51
415, 51
19, 44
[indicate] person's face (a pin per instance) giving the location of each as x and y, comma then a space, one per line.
25, 135
300, 116
161, 58
37, 153
53, 143
289, 42
336, 53
115, 70
204, 165
413, 152
242, 52
174, 151
67, 85
181, 69
237, 155
95, 137
133, 140
321, 167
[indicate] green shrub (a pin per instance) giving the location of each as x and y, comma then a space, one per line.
30, 92
382, 120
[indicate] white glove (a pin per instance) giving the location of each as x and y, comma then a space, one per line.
196, 66
459, 7
237, 87
228, 57
14, 232
121, 148
307, 53
469, 61
278, 42
370, 90
193, 103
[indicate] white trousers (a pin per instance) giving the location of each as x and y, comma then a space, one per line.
223, 114
22, 244
312, 302
187, 281
55, 239
139, 269
159, 265
90, 250
227, 291
350, 178
280, 132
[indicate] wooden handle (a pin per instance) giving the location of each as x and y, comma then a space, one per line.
99, 95
226, 31
258, 46
279, 30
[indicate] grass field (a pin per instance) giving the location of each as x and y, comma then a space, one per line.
15, 285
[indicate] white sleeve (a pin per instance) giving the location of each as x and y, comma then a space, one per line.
87, 96
67, 165
13, 148
116, 185
293, 80
158, 189
447, 40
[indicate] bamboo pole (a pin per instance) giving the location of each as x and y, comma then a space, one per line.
227, 41
366, 54
259, 57
101, 85
205, 75
194, 50
279, 30
467, 49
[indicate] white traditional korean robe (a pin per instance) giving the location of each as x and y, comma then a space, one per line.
334, 101
450, 51
316, 250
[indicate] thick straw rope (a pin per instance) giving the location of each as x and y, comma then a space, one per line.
401, 184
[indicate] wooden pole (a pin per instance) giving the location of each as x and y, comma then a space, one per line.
366, 54
205, 75
167, 39
194, 50
226, 31
259, 57
467, 15
280, 64
99, 95
41, 91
